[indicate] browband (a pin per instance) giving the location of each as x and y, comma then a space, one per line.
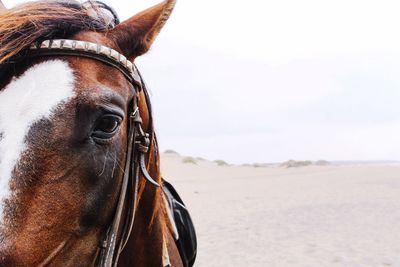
64, 47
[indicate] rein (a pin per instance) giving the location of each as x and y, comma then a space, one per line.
120, 229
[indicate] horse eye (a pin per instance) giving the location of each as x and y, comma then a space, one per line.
106, 126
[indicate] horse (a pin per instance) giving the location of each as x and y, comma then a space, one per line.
79, 161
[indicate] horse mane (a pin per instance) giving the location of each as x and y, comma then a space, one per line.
35, 21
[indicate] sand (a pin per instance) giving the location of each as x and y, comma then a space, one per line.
275, 216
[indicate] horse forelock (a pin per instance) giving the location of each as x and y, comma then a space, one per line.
28, 23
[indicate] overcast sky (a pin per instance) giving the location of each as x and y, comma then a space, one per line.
267, 81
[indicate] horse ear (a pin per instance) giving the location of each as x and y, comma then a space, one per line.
2, 5
135, 35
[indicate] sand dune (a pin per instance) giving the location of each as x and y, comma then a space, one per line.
308, 216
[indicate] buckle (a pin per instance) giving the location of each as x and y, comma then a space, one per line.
143, 143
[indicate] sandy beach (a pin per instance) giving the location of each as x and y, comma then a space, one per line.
274, 216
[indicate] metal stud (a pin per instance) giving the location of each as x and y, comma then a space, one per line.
129, 66
123, 60
79, 45
45, 44
103, 50
68, 44
56, 44
91, 47
114, 54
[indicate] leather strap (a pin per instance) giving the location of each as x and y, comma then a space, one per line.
132, 77
110, 243
138, 144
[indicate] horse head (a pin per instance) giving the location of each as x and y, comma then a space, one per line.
64, 136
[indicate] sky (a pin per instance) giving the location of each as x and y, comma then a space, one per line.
267, 81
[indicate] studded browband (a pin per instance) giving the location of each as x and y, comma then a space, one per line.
60, 47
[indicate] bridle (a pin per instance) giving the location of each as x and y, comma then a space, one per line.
120, 229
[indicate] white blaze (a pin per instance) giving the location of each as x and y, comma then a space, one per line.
26, 100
